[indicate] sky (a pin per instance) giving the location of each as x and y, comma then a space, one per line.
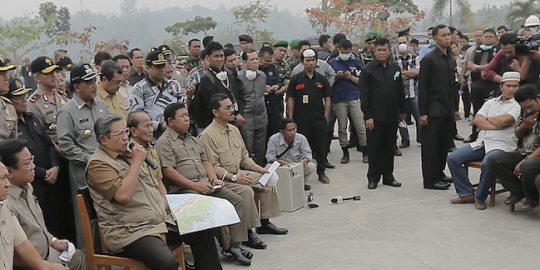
19, 8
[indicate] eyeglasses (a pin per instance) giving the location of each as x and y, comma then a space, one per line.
121, 133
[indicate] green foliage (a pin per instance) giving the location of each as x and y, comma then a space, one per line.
57, 25
460, 7
522, 10
251, 14
197, 25
20, 36
176, 44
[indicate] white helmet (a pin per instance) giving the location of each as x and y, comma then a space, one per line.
532, 21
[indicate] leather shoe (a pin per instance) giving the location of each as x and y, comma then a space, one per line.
307, 187
254, 241
438, 186
328, 165
334, 137
469, 140
365, 158
405, 144
462, 200
398, 153
271, 229
372, 186
189, 266
458, 137
450, 150
324, 179
238, 256
227, 254
447, 179
394, 183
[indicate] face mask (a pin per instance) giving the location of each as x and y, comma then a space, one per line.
485, 47
251, 74
533, 30
345, 56
67, 79
432, 42
222, 76
402, 48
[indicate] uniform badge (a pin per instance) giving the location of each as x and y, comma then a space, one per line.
45, 105
62, 102
100, 110
53, 127
271, 73
8, 111
45, 98
35, 124
82, 120
319, 85
34, 98
87, 133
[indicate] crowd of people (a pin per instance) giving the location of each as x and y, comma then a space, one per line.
212, 123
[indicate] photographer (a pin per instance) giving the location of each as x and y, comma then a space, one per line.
507, 60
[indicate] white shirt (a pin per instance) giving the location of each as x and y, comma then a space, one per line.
502, 139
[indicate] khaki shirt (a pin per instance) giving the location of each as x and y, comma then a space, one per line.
28, 212
122, 224
125, 90
225, 149
8, 120
11, 235
115, 103
152, 154
47, 110
184, 153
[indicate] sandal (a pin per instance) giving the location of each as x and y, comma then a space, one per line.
512, 199
528, 205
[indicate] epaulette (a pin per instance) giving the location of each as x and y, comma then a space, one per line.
64, 94
6, 99
34, 98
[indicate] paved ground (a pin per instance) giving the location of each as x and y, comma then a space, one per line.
398, 228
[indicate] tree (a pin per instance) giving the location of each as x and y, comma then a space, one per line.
20, 36
176, 44
197, 25
463, 8
57, 25
250, 15
522, 10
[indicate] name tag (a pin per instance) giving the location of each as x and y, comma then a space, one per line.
83, 120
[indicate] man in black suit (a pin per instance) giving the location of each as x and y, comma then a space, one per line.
438, 105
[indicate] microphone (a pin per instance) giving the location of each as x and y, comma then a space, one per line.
147, 160
339, 199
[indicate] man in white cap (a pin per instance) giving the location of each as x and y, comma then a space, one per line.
496, 121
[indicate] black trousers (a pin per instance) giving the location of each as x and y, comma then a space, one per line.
381, 146
316, 135
436, 137
156, 255
478, 97
273, 125
466, 99
530, 169
502, 166
332, 118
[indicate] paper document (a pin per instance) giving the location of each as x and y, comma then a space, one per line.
266, 177
194, 212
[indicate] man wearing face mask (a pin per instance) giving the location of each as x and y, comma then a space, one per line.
254, 82
346, 96
431, 44
532, 23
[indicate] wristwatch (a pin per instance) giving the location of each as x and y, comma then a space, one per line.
233, 178
477, 67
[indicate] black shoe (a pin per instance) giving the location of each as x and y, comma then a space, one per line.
394, 183
458, 138
438, 186
398, 153
405, 144
360, 148
446, 179
328, 165
345, 158
372, 186
254, 241
189, 266
450, 150
307, 187
237, 255
470, 139
271, 229
351, 144
409, 123
227, 254
334, 137
365, 158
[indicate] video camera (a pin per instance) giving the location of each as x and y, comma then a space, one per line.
524, 45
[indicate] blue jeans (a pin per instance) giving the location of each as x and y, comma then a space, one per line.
462, 183
413, 106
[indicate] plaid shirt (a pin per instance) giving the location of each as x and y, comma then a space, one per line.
410, 85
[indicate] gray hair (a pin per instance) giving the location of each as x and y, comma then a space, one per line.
103, 124
26, 57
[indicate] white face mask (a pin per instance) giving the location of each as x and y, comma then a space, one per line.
251, 74
402, 48
222, 76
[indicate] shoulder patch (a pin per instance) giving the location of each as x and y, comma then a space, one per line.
34, 98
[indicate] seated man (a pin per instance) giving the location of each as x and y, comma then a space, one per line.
287, 146
15, 244
19, 163
130, 206
226, 151
187, 170
496, 121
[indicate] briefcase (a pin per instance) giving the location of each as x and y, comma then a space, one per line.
290, 187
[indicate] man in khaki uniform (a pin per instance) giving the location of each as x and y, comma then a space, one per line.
8, 117
19, 162
110, 79
130, 205
125, 88
227, 152
187, 170
13, 241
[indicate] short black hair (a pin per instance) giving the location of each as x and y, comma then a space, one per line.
213, 47
228, 46
203, 54
120, 56
206, 40
284, 122
437, 28
430, 28
508, 38
303, 43
245, 54
9, 149
132, 52
266, 50
228, 52
414, 41
345, 44
382, 42
192, 40
490, 30
452, 29
100, 57
323, 39
109, 68
338, 37
216, 99
503, 27
170, 110
525, 92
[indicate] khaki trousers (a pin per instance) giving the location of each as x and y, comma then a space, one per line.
353, 108
78, 261
267, 196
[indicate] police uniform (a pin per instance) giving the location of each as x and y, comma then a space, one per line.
76, 136
12, 235
8, 116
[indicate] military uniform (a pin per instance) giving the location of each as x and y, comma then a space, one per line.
47, 109
9, 117
12, 235
114, 102
192, 63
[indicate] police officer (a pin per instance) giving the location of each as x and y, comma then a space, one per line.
76, 137
8, 118
154, 92
274, 90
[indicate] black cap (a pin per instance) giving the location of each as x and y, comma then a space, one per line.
247, 38
155, 58
404, 31
65, 62
16, 88
43, 64
5, 67
165, 49
84, 72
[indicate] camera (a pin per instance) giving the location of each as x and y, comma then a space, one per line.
524, 45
